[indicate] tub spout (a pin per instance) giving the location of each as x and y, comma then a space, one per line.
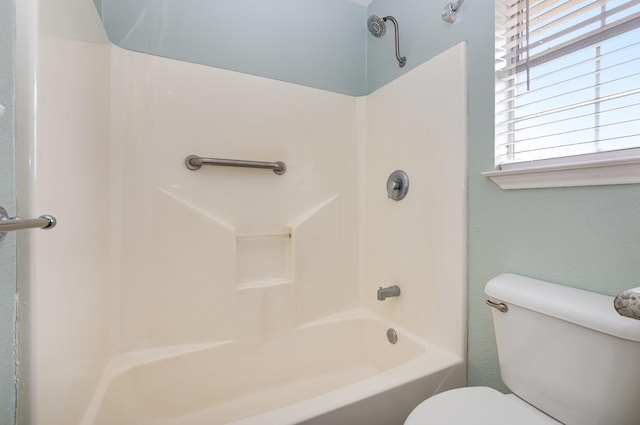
390, 291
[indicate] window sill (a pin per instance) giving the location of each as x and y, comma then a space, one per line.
590, 173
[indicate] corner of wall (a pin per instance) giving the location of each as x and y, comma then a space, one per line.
361, 155
98, 4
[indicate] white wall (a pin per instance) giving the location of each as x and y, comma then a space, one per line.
417, 123
65, 291
193, 241
190, 238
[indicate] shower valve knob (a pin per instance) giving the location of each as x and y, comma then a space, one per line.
397, 185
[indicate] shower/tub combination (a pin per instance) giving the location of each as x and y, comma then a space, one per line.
230, 294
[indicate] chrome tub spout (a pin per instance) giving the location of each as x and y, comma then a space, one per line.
390, 291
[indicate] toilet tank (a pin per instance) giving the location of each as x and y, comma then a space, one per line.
567, 352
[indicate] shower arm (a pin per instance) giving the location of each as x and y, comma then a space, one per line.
402, 61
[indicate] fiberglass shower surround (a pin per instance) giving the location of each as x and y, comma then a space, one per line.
231, 266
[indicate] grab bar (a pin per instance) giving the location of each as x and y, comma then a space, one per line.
8, 224
194, 162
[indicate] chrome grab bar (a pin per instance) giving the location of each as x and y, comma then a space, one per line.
8, 224
194, 162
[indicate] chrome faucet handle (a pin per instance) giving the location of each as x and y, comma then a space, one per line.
397, 185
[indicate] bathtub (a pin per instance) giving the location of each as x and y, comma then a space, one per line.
339, 370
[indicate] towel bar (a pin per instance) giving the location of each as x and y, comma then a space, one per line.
8, 224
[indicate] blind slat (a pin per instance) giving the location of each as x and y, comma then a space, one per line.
574, 106
546, 22
598, 114
514, 11
515, 50
584, 39
559, 94
590, 141
617, 51
568, 132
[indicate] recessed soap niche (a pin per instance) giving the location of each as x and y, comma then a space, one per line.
307, 248
264, 259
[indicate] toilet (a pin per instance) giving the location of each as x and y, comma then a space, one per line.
565, 353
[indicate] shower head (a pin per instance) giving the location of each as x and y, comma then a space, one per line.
376, 26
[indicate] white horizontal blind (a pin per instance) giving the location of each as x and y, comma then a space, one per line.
567, 78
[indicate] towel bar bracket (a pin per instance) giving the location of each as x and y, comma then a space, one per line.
8, 224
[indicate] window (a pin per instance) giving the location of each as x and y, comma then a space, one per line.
567, 81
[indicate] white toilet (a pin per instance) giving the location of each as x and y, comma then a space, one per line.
566, 354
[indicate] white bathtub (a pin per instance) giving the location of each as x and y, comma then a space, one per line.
340, 370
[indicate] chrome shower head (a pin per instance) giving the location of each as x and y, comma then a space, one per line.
376, 26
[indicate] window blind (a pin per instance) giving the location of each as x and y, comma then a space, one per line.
567, 78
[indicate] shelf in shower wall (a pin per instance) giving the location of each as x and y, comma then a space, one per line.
264, 283
263, 259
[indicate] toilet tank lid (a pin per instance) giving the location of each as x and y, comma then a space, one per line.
583, 308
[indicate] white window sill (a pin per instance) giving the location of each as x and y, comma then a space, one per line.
589, 173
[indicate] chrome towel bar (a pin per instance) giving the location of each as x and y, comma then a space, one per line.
194, 162
8, 224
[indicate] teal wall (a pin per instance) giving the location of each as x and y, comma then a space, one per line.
423, 35
323, 44
7, 200
309, 42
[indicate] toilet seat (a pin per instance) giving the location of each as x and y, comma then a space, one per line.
476, 406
